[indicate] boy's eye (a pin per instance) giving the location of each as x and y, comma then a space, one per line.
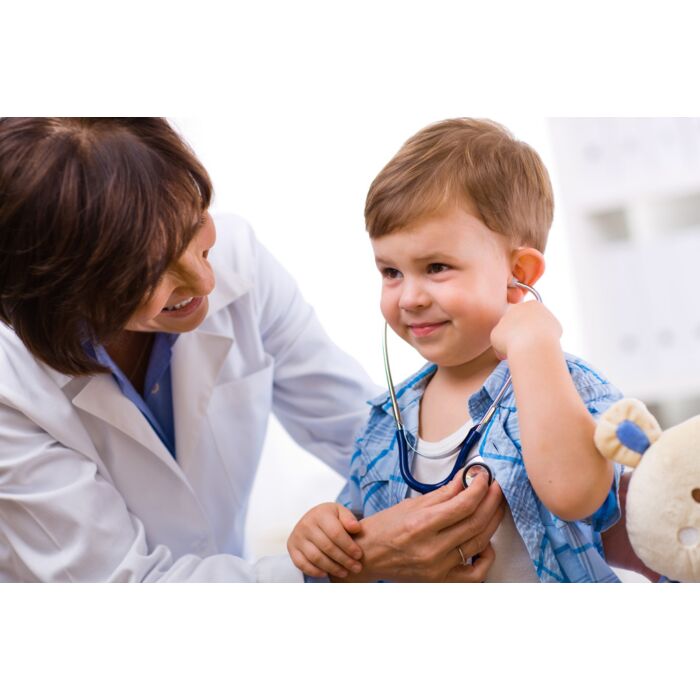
434, 268
390, 273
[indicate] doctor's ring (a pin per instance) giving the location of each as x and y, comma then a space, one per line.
461, 554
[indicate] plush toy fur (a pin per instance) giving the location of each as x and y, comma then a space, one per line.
663, 500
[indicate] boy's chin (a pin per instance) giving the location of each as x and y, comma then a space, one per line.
478, 357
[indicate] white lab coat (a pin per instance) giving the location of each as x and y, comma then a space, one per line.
89, 493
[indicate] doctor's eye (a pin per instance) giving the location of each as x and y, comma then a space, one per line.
434, 268
390, 273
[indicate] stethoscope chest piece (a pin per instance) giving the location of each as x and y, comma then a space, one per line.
472, 470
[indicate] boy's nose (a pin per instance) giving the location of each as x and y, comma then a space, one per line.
413, 296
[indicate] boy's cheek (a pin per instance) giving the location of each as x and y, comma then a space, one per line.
392, 317
390, 310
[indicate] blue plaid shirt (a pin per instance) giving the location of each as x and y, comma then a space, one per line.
560, 550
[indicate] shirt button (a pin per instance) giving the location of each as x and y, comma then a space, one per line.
155, 389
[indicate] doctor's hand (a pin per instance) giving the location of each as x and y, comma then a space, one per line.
320, 543
417, 539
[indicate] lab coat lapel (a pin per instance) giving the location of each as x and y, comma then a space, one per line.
197, 360
102, 398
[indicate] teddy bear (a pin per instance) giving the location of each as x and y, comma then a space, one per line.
663, 499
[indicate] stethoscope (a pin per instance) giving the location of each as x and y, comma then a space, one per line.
472, 438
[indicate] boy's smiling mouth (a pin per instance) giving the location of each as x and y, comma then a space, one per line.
420, 330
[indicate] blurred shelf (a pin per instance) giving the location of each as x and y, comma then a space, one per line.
631, 192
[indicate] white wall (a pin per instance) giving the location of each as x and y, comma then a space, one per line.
632, 192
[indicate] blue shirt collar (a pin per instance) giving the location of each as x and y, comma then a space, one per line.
162, 344
411, 390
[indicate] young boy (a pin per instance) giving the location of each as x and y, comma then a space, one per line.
459, 213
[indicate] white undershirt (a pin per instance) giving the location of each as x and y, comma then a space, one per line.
513, 563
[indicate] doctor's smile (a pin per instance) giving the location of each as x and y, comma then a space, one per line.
183, 308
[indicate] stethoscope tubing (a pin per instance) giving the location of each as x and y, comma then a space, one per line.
473, 437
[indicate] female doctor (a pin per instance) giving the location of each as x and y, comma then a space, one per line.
139, 364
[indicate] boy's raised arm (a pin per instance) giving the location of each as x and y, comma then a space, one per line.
565, 469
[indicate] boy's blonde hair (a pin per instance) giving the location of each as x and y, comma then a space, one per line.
460, 161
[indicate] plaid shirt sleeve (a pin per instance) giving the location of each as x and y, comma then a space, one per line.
351, 496
608, 513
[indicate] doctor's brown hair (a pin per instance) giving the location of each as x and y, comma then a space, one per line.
92, 212
464, 161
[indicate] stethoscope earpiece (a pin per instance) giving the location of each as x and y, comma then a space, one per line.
515, 283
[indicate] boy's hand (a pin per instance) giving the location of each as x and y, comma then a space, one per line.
320, 544
528, 324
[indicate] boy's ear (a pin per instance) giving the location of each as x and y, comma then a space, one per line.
527, 266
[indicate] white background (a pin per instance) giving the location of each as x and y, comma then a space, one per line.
341, 86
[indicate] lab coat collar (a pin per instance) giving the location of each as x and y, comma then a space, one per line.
205, 348
229, 287
61, 379
100, 396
